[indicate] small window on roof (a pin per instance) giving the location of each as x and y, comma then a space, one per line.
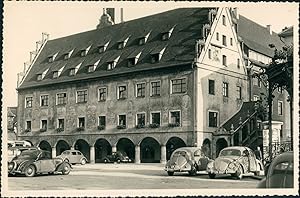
39, 77
131, 61
55, 74
112, 64
52, 58
102, 48
133, 58
156, 56
142, 41
85, 51
68, 54
167, 35
122, 44
91, 68
72, 72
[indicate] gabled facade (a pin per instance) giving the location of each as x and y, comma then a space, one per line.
177, 87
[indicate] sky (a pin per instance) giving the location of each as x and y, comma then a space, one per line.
24, 23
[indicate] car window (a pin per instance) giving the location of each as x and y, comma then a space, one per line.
73, 153
281, 166
232, 152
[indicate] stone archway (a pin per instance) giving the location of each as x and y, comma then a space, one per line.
102, 149
61, 146
220, 144
150, 150
206, 147
82, 146
173, 144
127, 146
44, 145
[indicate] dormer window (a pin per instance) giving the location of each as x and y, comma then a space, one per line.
111, 64
92, 68
68, 54
166, 35
206, 30
133, 58
122, 43
55, 74
156, 55
52, 57
39, 77
102, 48
85, 51
72, 72
144, 39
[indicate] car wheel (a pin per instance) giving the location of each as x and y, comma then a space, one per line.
118, 161
83, 162
30, 171
105, 161
257, 173
170, 173
193, 172
66, 169
239, 173
212, 175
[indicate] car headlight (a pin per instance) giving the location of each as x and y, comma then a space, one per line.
210, 165
11, 166
232, 166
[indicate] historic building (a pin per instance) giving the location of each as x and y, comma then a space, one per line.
145, 86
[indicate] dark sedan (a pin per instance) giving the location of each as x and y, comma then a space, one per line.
118, 157
32, 162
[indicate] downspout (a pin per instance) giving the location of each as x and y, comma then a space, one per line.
194, 67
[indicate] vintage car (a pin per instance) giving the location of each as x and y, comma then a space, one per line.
118, 157
237, 161
32, 162
186, 159
280, 173
15, 151
73, 157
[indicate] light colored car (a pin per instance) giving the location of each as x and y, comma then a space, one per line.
186, 159
73, 157
237, 161
280, 173
32, 162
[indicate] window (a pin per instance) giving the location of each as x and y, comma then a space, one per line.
155, 88
165, 36
102, 121
55, 74
209, 53
44, 100
280, 107
211, 87
39, 77
142, 41
61, 98
225, 89
255, 81
140, 90
131, 62
212, 119
239, 92
140, 120
217, 36
28, 102
224, 20
91, 68
102, 94
61, 124
175, 118
101, 49
28, 125
110, 65
179, 86
81, 122
83, 53
122, 92
231, 42
122, 120
154, 58
72, 72
121, 45
224, 60
224, 40
255, 98
155, 118
259, 83
82, 96
67, 56
238, 63
44, 125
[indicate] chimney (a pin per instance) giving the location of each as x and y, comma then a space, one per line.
269, 29
235, 12
122, 15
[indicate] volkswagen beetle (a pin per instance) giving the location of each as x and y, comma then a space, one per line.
119, 156
280, 174
73, 157
186, 159
32, 162
237, 161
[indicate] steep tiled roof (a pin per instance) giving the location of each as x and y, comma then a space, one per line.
180, 48
258, 37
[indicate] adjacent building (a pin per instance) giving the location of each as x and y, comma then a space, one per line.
147, 86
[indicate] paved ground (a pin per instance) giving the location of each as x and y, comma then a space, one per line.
126, 176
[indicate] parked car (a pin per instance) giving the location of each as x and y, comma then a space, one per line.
32, 162
73, 157
15, 151
280, 173
186, 159
119, 156
237, 161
